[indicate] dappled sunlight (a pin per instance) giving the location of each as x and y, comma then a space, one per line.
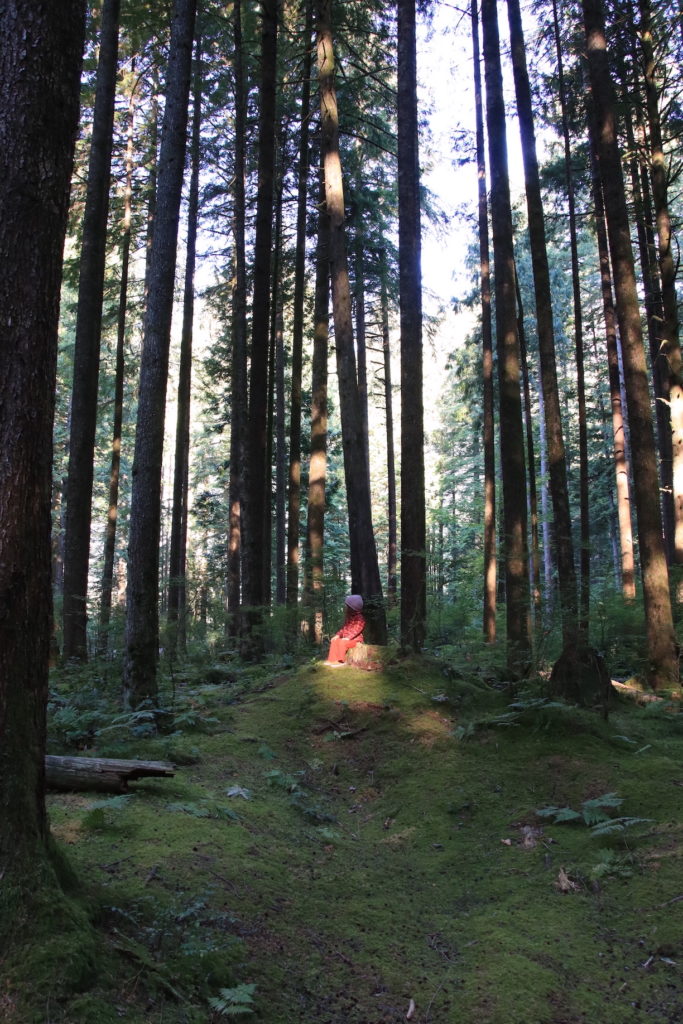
429, 727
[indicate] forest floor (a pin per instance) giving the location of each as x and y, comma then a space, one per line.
354, 847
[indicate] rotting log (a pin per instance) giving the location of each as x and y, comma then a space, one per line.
104, 774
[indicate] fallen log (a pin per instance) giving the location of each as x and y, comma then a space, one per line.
104, 774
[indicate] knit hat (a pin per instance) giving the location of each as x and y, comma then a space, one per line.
354, 601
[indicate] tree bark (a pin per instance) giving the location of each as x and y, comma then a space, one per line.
557, 461
507, 343
177, 585
490, 561
392, 520
365, 578
142, 613
41, 46
117, 428
314, 586
621, 466
661, 641
413, 529
294, 490
87, 346
669, 341
258, 482
239, 344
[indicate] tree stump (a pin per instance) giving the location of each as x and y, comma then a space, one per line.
370, 657
580, 675
104, 774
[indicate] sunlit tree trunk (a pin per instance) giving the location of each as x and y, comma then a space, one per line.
294, 490
177, 588
507, 340
662, 649
314, 585
142, 611
41, 46
669, 335
584, 561
87, 346
365, 576
490, 561
413, 528
621, 467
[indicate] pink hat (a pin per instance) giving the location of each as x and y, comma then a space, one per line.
354, 601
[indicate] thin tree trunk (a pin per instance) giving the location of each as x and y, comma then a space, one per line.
142, 616
621, 467
177, 588
280, 455
315, 526
294, 492
117, 431
490, 561
534, 554
661, 641
365, 576
413, 529
584, 591
257, 495
507, 341
87, 346
392, 547
546, 340
239, 343
361, 347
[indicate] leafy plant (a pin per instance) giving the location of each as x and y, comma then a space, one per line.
233, 1002
595, 814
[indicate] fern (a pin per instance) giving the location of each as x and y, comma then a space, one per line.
234, 1002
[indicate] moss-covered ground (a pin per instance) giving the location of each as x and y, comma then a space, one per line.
363, 847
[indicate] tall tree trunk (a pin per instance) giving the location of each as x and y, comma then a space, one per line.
669, 341
392, 546
661, 641
315, 526
534, 554
652, 292
490, 561
177, 586
365, 578
257, 499
41, 45
621, 467
280, 451
239, 343
546, 340
142, 612
584, 592
507, 342
294, 491
361, 347
117, 430
87, 345
413, 531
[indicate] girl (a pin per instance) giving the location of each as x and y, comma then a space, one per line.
351, 632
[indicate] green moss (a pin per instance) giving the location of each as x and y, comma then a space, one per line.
369, 856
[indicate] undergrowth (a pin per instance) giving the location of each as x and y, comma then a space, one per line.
357, 846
